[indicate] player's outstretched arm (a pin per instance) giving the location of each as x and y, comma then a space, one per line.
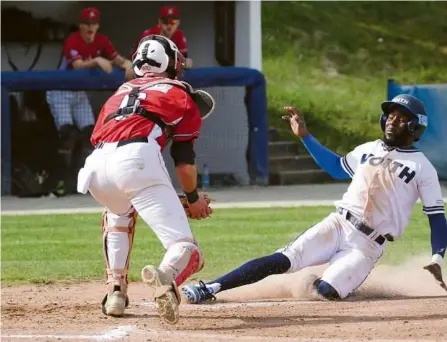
325, 158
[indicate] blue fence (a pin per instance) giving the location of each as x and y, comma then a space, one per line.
434, 141
252, 80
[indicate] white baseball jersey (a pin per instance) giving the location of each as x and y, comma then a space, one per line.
386, 183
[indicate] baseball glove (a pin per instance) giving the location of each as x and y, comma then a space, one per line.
184, 201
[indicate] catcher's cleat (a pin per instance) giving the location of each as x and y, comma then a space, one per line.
198, 293
166, 295
115, 303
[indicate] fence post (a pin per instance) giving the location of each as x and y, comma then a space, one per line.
6, 143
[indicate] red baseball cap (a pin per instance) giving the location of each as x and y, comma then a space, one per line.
169, 11
90, 14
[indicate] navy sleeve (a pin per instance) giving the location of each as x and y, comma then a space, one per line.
325, 158
438, 226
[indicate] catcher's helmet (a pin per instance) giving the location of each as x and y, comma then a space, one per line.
157, 54
411, 105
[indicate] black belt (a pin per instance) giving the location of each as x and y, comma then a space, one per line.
359, 225
126, 142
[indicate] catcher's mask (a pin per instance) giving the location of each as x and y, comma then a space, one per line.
157, 54
411, 105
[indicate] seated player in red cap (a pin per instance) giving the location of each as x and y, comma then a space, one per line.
168, 23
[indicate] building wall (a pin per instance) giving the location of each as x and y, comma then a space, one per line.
225, 135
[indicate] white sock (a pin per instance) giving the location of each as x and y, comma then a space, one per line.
117, 249
215, 287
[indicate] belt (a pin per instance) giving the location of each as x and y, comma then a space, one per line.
359, 225
125, 142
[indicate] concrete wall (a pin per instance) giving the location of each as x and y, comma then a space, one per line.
225, 135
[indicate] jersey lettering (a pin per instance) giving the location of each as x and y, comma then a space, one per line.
406, 174
125, 103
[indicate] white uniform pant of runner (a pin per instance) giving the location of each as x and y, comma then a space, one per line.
135, 175
351, 254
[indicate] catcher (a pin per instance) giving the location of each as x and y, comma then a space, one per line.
126, 174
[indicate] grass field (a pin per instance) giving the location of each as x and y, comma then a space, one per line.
45, 249
333, 59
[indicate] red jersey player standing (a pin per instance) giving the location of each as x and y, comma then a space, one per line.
71, 110
168, 23
126, 174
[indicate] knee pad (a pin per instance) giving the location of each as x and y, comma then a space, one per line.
68, 135
326, 290
185, 258
112, 223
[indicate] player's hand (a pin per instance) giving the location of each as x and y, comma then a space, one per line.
296, 121
104, 64
436, 271
200, 209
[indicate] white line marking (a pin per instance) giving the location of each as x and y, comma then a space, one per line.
232, 305
89, 210
176, 335
109, 335
229, 205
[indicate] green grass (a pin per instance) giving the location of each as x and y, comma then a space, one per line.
333, 60
45, 249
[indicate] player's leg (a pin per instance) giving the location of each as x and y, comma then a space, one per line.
350, 266
248, 273
151, 193
314, 247
118, 229
61, 103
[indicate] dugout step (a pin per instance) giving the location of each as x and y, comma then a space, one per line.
292, 163
283, 148
300, 177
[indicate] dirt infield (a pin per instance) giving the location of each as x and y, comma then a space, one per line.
394, 304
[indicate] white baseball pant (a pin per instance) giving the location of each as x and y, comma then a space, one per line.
351, 254
70, 108
135, 175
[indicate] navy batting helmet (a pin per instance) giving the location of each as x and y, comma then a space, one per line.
411, 105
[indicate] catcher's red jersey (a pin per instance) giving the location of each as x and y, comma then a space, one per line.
173, 104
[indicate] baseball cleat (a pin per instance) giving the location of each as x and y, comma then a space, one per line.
198, 293
114, 304
166, 295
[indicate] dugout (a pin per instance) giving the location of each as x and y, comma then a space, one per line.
225, 45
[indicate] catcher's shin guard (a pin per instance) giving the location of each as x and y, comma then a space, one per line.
116, 299
182, 259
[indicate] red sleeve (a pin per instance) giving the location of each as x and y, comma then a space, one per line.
181, 42
71, 50
108, 50
189, 127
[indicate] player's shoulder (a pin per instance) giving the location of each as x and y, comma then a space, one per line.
73, 37
179, 34
422, 159
101, 38
149, 31
160, 84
